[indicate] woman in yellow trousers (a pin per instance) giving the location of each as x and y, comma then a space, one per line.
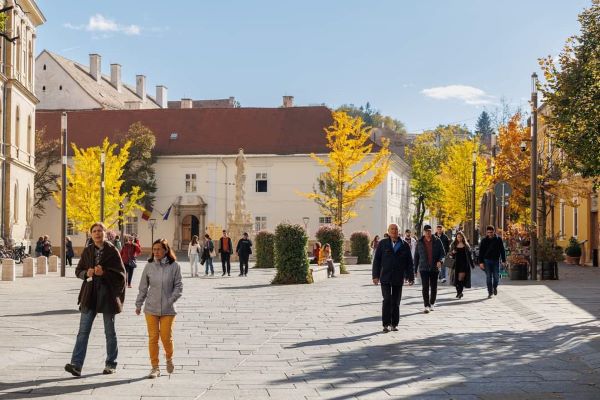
160, 287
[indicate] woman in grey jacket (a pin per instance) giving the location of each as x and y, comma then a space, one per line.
160, 287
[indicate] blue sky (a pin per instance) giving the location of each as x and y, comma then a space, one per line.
425, 62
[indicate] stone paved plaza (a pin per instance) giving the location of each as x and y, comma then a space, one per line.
242, 338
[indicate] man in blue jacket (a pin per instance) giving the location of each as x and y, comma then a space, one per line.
391, 266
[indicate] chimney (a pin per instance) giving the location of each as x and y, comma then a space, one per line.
140, 86
115, 76
161, 96
95, 69
133, 105
288, 101
186, 103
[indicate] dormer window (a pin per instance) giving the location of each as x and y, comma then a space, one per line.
174, 136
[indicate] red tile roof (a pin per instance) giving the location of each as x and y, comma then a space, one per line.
296, 130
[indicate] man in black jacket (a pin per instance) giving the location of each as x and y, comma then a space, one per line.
391, 266
243, 250
491, 250
225, 249
429, 257
439, 233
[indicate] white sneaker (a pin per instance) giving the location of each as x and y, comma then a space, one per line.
426, 310
432, 307
154, 373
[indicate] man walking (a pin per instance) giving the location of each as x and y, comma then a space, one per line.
412, 242
243, 250
391, 266
428, 259
225, 249
439, 233
491, 250
102, 291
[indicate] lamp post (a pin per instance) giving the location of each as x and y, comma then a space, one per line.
474, 158
492, 170
102, 162
305, 220
533, 183
152, 224
63, 189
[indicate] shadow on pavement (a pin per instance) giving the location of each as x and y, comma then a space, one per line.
244, 287
44, 313
326, 342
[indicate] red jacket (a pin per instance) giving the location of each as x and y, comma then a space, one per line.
130, 250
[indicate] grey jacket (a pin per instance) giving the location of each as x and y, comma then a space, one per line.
420, 262
160, 287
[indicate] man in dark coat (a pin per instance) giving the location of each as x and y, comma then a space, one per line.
391, 266
225, 249
491, 251
429, 257
102, 291
243, 250
439, 233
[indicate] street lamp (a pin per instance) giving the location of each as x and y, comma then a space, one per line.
474, 159
305, 220
533, 183
152, 224
102, 162
63, 190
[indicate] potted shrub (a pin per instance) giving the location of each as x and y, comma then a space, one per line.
573, 252
549, 255
265, 249
359, 243
290, 255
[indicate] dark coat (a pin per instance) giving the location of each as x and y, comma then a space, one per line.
392, 267
221, 246
244, 248
491, 249
445, 241
105, 293
420, 260
470, 266
69, 249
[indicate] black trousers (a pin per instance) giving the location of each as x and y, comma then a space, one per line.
390, 308
244, 264
129, 270
429, 280
226, 263
69, 261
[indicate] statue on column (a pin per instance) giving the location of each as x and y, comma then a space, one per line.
240, 220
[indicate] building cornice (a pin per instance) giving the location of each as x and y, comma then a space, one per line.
22, 89
34, 13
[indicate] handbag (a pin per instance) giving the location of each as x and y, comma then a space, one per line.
132, 263
449, 262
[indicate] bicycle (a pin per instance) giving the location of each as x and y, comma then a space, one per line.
19, 254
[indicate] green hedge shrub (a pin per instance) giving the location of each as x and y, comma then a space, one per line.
335, 237
290, 255
574, 248
265, 249
359, 247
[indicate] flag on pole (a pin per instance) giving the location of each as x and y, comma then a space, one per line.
166, 216
147, 213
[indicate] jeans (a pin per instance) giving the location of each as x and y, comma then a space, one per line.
443, 272
244, 265
390, 308
129, 270
226, 263
85, 327
194, 264
160, 327
429, 280
492, 274
209, 263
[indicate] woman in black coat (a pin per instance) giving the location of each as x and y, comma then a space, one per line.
460, 275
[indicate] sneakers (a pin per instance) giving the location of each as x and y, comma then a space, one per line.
108, 370
432, 307
394, 328
73, 369
495, 291
241, 275
460, 295
154, 373
223, 274
443, 280
386, 329
426, 310
170, 366
212, 274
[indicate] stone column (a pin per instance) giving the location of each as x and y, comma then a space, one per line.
53, 264
29, 267
8, 269
42, 265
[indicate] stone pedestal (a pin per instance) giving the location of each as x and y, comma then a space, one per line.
53, 263
29, 267
8, 269
42, 265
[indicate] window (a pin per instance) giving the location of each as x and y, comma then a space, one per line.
131, 226
575, 219
29, 136
562, 219
71, 229
44, 67
260, 223
261, 182
18, 128
324, 220
190, 183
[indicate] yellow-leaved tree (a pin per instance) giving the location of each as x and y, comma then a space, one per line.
353, 170
455, 181
83, 186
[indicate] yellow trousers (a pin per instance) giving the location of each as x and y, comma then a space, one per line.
160, 326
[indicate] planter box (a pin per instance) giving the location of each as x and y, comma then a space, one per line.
350, 260
518, 272
572, 260
319, 272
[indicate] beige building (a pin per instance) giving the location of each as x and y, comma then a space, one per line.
195, 170
17, 105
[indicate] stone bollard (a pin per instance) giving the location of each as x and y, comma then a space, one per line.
53, 264
28, 267
42, 265
8, 269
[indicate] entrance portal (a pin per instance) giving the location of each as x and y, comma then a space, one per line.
190, 226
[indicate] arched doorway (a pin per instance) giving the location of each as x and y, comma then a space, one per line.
190, 226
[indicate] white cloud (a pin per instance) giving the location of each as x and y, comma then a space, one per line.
99, 23
469, 94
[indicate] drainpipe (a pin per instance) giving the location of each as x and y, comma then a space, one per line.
226, 190
2, 189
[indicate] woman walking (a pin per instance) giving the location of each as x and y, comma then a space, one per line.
460, 275
129, 254
160, 287
208, 252
374, 243
325, 258
194, 252
69, 253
